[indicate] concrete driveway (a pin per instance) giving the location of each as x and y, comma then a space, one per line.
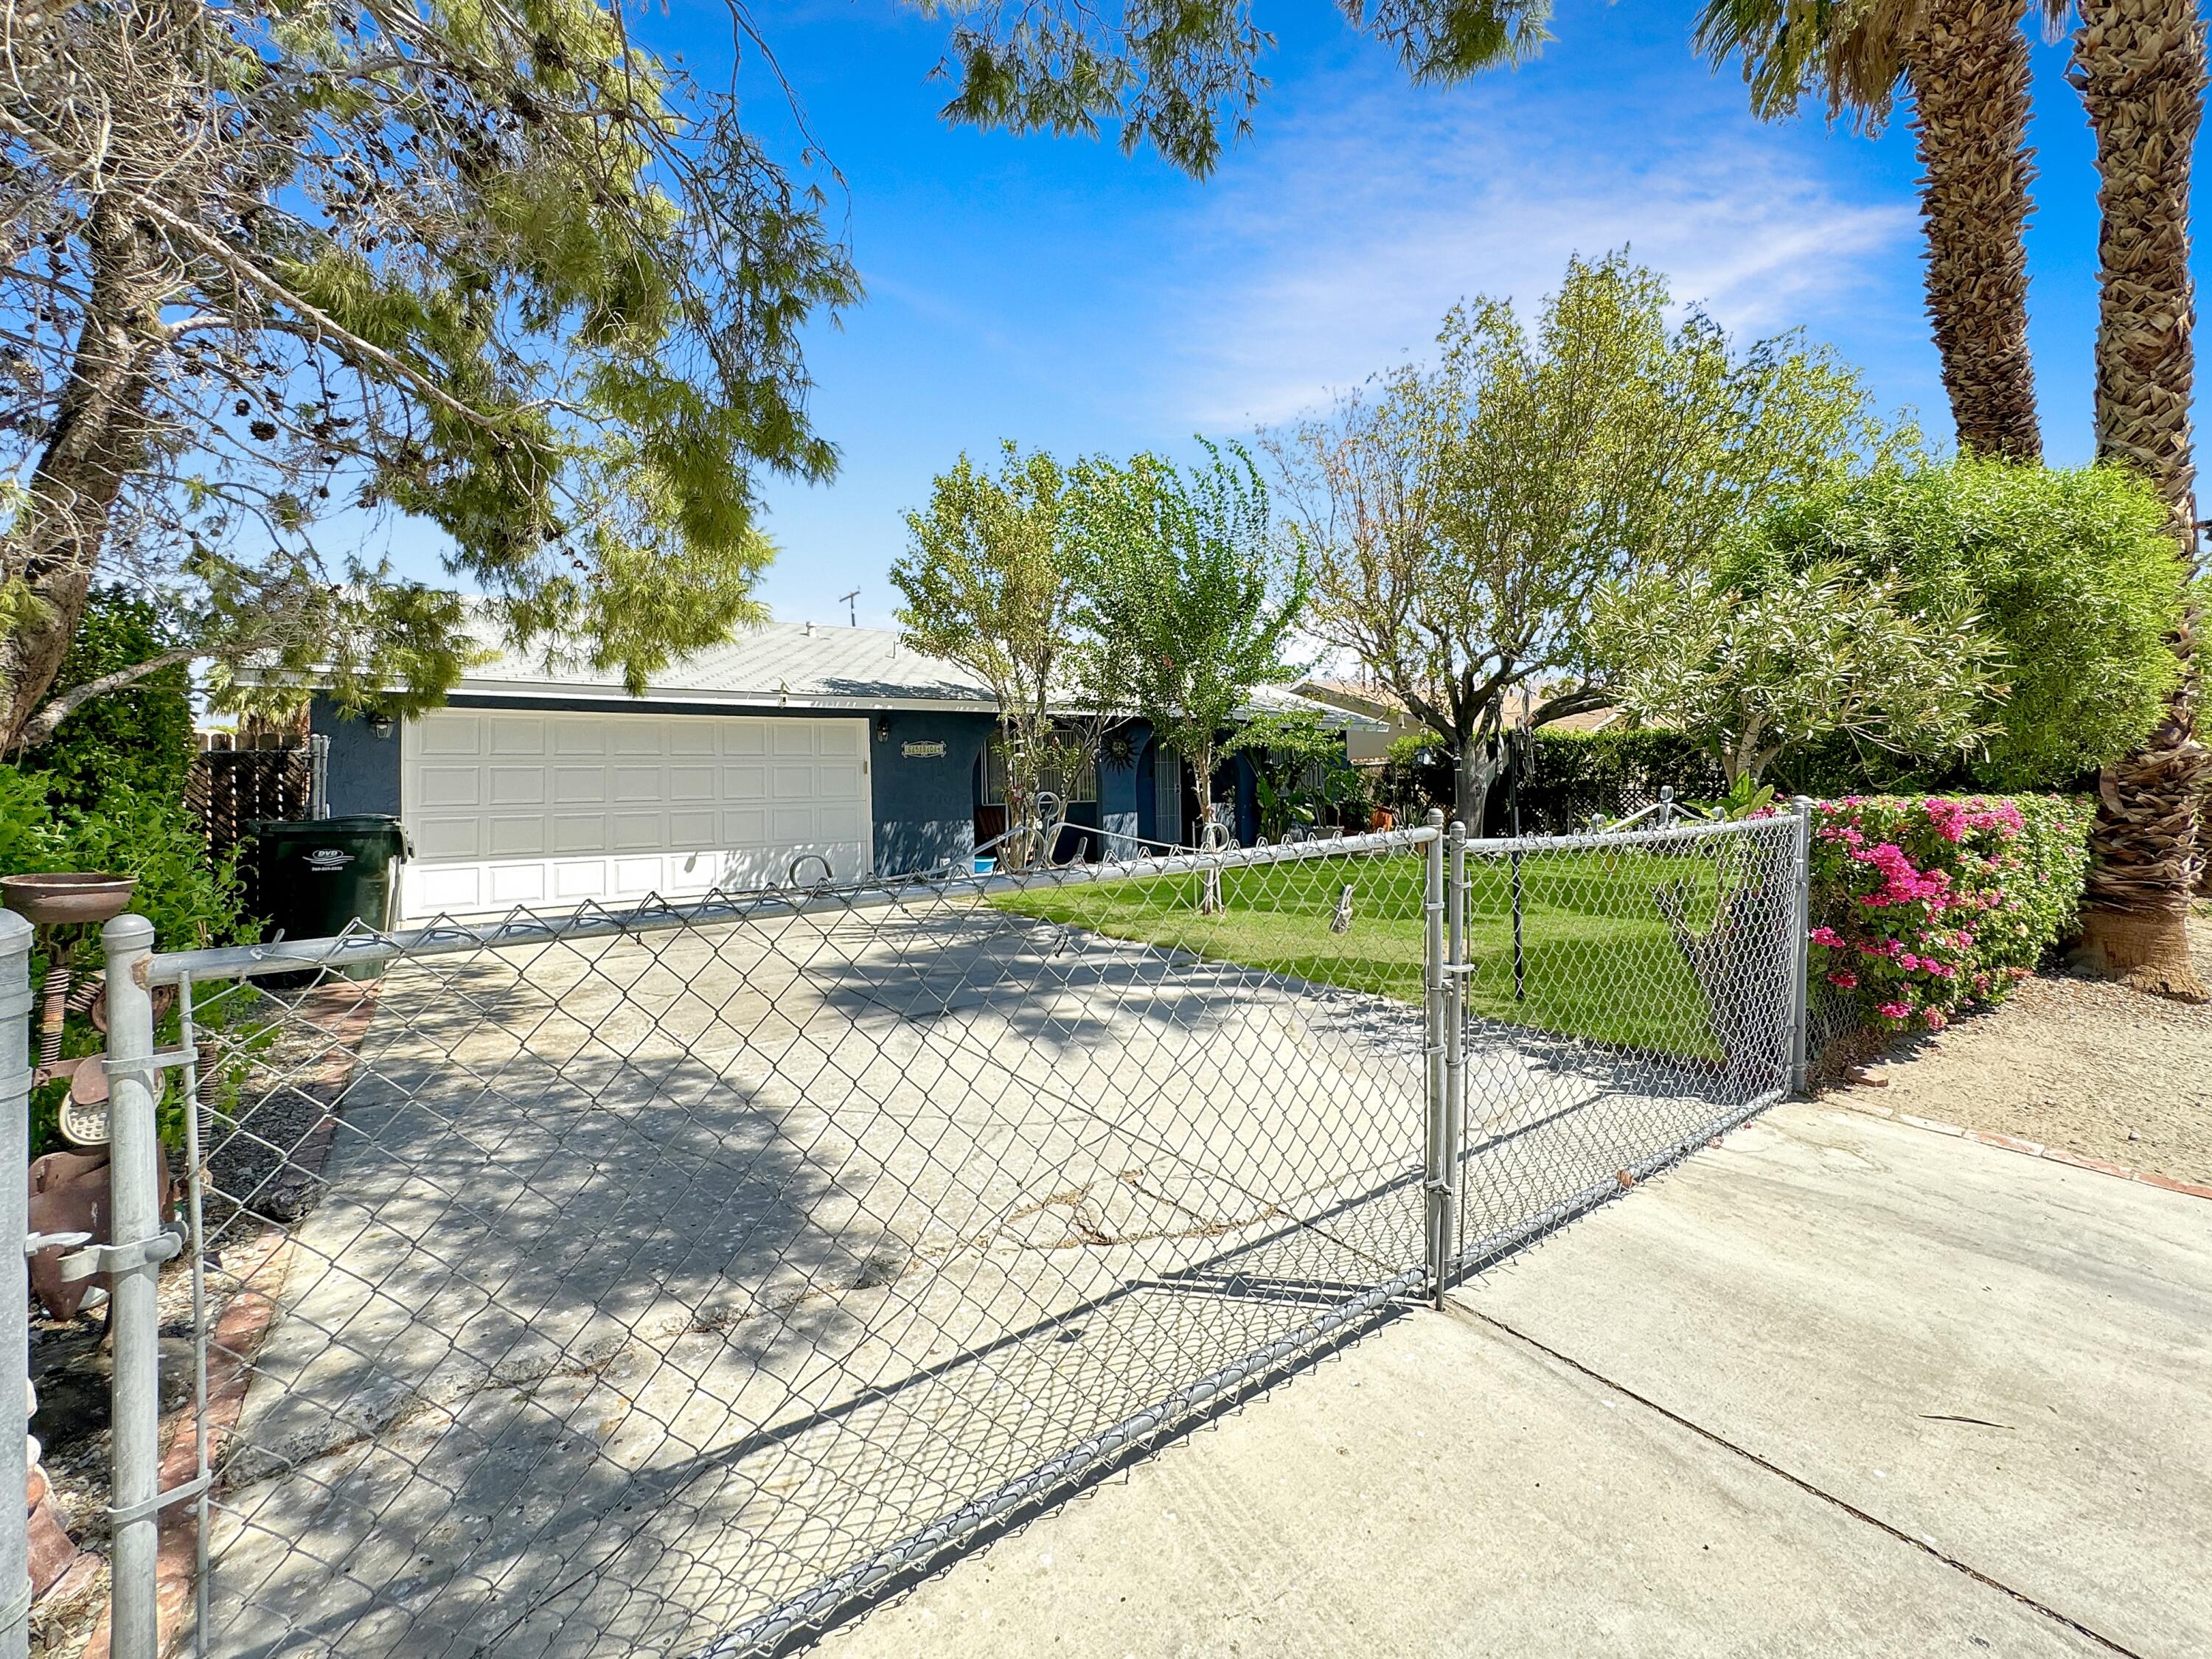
1841, 1387
656, 1280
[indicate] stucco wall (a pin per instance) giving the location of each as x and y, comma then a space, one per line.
364, 766
924, 807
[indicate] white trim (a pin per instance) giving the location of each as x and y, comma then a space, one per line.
614, 699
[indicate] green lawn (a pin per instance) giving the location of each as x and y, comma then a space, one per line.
1598, 960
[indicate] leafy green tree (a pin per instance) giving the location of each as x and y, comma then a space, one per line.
137, 742
274, 267
2071, 571
993, 580
1460, 520
1177, 567
497, 269
1754, 668
1300, 768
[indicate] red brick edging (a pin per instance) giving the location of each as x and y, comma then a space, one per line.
236, 1340
2032, 1149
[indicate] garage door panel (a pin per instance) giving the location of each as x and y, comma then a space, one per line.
448, 734
515, 785
580, 737
518, 883
579, 786
434, 889
510, 838
636, 879
512, 735
452, 786
585, 879
447, 838
514, 808
580, 832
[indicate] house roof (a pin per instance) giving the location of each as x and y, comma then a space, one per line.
795, 666
778, 664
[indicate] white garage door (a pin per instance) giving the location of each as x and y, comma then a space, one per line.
552, 810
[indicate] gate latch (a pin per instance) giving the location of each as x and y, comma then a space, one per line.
98, 1259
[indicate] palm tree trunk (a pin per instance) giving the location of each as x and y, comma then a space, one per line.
1967, 65
2140, 66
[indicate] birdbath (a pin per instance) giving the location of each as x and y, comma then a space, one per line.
52, 901
60, 898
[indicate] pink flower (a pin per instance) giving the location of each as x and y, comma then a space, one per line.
1827, 936
1908, 961
1844, 978
1893, 1010
1936, 1021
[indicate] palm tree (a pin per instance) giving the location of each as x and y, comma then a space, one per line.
1965, 65
2141, 68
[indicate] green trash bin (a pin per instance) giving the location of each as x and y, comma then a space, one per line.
320, 876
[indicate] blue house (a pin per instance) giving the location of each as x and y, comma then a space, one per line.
790, 750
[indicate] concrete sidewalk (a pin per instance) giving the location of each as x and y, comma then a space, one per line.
1841, 1387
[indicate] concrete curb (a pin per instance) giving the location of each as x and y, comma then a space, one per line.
2032, 1149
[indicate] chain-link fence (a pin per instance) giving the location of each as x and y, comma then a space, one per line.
1623, 999
677, 1281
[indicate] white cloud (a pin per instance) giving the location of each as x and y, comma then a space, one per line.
1334, 251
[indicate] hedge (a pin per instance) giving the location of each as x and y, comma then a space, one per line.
1923, 905
1574, 776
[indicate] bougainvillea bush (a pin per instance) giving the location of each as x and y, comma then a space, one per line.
1924, 905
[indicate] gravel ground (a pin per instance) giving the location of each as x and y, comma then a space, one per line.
2078, 1064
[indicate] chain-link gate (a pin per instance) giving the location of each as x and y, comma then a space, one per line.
677, 1280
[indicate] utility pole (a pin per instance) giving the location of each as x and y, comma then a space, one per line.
852, 606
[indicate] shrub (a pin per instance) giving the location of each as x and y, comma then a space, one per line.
190, 900
2071, 573
1574, 776
1924, 905
137, 740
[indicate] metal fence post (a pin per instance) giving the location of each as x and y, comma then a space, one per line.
1437, 1169
16, 1000
1454, 1046
135, 1258
1800, 943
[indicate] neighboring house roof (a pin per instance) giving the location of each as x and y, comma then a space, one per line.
1370, 698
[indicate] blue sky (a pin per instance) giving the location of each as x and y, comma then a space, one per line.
1059, 293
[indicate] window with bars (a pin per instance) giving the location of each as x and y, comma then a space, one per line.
1075, 784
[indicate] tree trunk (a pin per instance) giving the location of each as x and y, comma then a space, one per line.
2140, 66
1968, 68
98, 440
1474, 772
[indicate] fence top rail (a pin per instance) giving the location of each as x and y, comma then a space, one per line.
597, 921
1503, 845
